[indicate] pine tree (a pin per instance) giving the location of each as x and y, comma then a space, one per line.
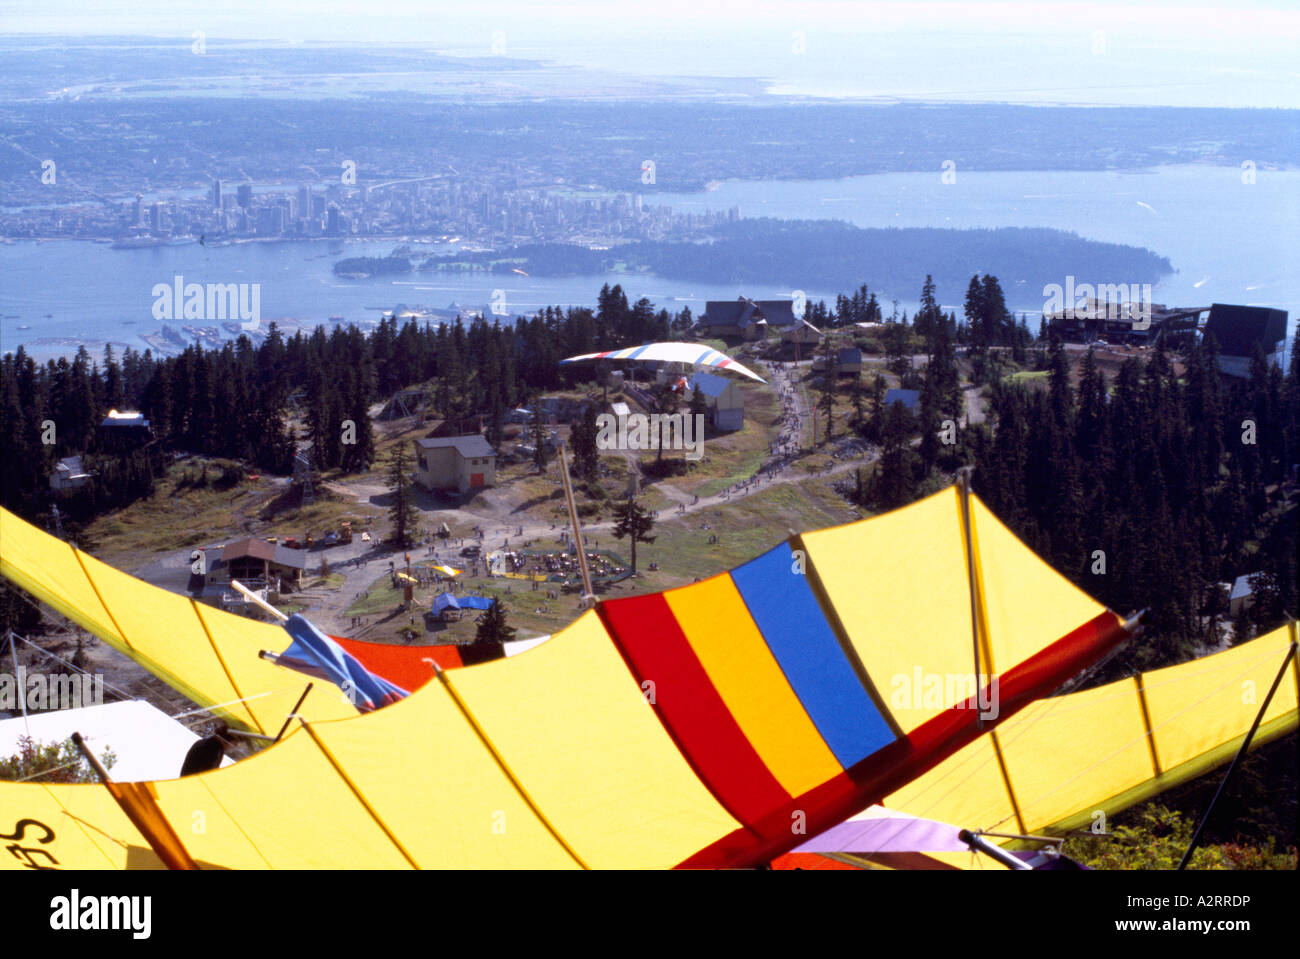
539, 439
492, 627
929, 421
998, 321
359, 454
582, 437
827, 403
114, 397
403, 512
974, 311
857, 393
894, 482
633, 523
699, 405
929, 318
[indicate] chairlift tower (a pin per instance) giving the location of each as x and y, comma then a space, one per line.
302, 473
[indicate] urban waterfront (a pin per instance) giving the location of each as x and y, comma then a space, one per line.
60, 292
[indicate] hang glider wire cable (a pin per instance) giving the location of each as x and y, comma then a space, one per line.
1245, 745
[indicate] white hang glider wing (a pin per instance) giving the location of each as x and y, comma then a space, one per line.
696, 354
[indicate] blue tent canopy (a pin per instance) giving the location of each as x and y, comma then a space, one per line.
448, 601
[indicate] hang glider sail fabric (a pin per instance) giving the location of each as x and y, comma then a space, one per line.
209, 655
886, 830
412, 666
782, 680
313, 651
695, 354
82, 826
719, 724
1074, 761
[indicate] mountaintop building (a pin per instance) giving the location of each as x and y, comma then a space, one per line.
461, 463
745, 318
722, 397
1237, 330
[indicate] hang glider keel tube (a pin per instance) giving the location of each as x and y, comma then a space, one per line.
137, 802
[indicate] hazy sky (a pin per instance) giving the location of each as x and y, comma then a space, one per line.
1227, 53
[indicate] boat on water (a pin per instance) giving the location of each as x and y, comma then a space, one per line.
145, 242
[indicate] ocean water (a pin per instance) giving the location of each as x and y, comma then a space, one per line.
1228, 241
95, 292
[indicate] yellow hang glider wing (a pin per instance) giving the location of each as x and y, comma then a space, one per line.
209, 655
718, 724
1064, 763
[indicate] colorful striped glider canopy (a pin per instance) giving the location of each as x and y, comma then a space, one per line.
695, 354
718, 724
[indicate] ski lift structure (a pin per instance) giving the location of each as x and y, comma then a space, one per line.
302, 474
406, 403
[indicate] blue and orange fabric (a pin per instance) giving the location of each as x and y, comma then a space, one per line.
317, 654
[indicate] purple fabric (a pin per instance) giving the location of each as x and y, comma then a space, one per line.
890, 834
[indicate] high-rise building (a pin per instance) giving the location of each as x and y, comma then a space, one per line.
137, 210
216, 194
304, 201
332, 221
270, 221
245, 195
155, 217
317, 207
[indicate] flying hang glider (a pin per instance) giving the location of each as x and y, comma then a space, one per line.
693, 354
687, 728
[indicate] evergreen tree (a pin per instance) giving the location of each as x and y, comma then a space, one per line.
974, 311
929, 319
582, 437
360, 453
492, 627
539, 440
827, 404
403, 512
894, 482
633, 523
699, 405
857, 394
929, 422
